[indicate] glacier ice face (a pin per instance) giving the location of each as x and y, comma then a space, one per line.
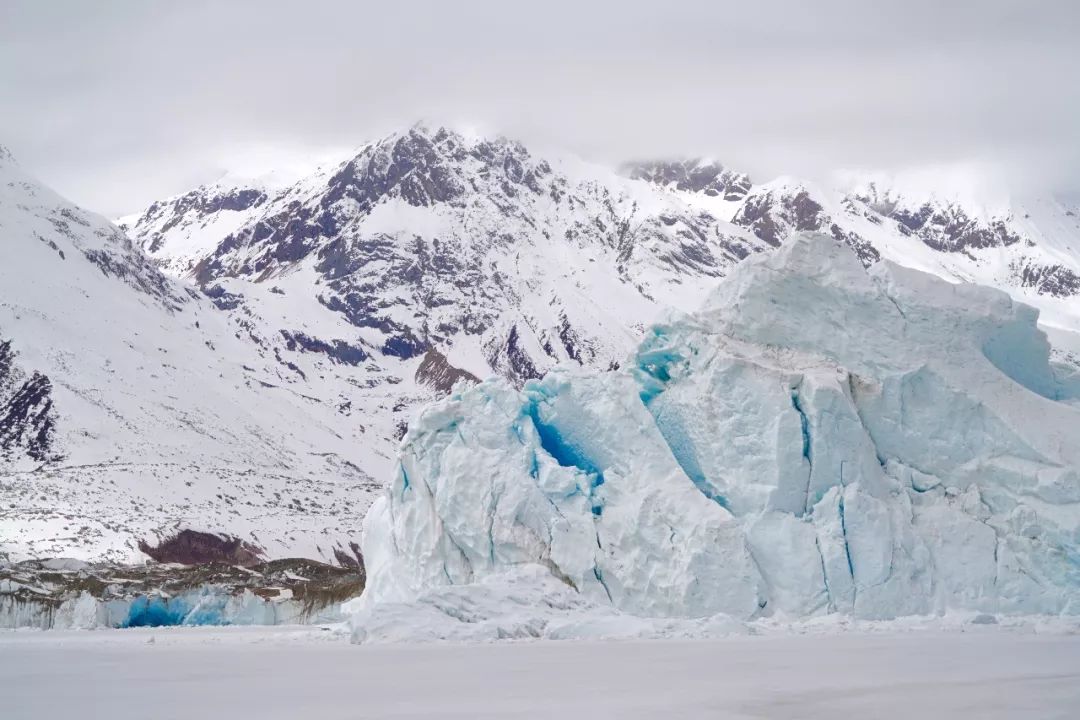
209, 605
70, 594
818, 438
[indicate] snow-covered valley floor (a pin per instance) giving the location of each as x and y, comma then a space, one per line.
291, 672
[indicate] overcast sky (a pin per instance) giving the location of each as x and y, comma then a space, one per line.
116, 104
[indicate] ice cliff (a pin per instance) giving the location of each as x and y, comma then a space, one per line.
71, 594
818, 438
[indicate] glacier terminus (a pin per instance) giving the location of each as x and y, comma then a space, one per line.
820, 437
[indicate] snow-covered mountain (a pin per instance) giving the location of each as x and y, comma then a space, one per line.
430, 256
265, 399
347, 298
483, 198
131, 408
819, 438
1027, 246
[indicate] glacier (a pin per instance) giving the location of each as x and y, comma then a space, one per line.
818, 438
209, 605
65, 593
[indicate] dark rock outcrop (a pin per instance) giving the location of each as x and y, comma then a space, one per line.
943, 226
1055, 280
436, 372
709, 178
338, 351
772, 215
191, 547
27, 417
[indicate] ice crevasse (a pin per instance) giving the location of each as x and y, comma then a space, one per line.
818, 438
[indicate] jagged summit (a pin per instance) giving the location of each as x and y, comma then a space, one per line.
697, 175
427, 235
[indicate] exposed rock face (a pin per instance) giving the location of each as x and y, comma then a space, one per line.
699, 176
1056, 280
206, 210
773, 215
437, 372
411, 237
27, 417
1026, 245
338, 351
353, 559
942, 226
190, 547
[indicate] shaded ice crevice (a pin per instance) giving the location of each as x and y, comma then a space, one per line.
569, 455
653, 374
804, 427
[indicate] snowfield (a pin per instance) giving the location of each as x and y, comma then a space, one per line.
289, 672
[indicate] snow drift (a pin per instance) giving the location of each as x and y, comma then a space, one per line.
818, 438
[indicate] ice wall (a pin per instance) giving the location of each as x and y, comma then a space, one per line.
207, 606
818, 438
66, 593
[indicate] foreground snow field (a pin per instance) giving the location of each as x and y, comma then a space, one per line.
290, 672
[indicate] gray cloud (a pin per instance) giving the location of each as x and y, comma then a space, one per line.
119, 103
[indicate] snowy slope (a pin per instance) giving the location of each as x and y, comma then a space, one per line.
818, 438
130, 407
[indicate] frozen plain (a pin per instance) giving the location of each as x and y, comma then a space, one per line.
289, 672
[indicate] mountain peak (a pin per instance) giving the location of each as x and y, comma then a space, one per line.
697, 175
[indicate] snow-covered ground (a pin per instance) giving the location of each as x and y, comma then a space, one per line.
283, 672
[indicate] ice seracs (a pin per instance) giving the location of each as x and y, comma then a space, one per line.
818, 438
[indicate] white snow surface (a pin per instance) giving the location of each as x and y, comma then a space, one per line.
819, 438
983, 673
